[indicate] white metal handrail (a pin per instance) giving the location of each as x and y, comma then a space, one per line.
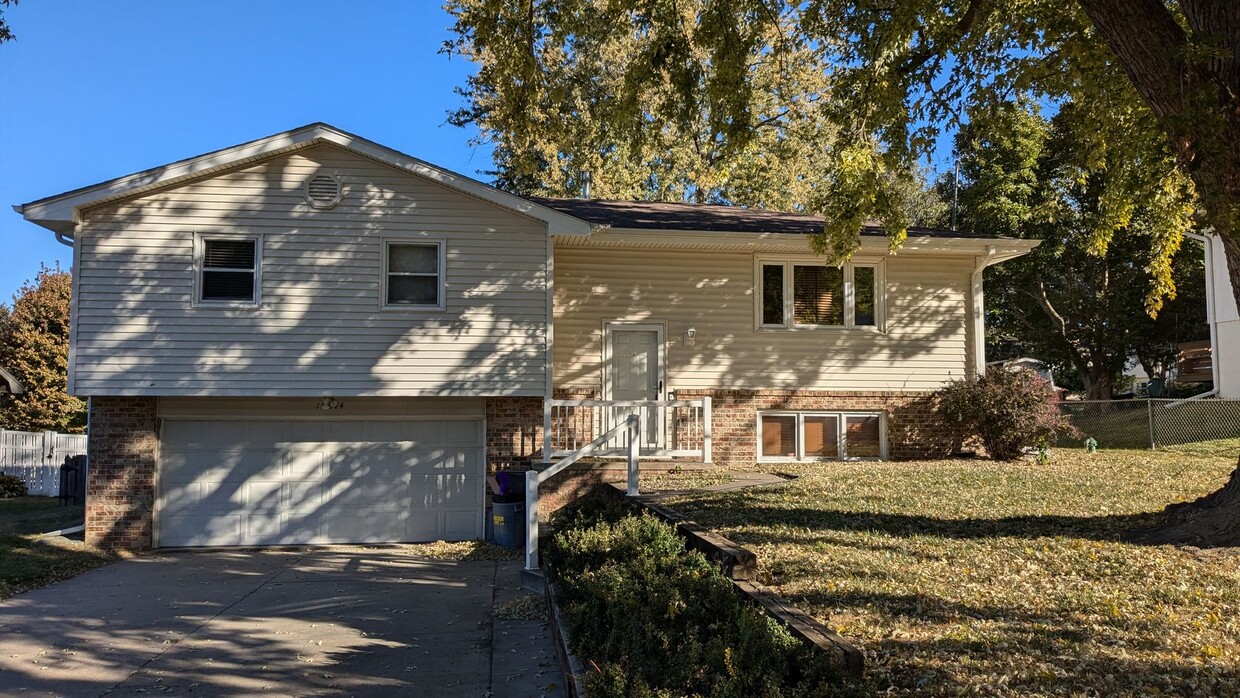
674, 428
631, 426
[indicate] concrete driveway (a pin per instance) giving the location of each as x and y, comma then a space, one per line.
333, 622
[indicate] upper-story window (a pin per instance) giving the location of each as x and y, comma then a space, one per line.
808, 293
229, 269
413, 274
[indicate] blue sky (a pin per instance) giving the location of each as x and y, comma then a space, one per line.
95, 90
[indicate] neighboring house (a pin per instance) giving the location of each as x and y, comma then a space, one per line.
1036, 365
312, 338
1224, 320
9, 385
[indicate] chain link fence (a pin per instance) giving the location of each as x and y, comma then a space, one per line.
1198, 425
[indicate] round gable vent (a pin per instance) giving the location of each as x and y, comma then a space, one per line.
324, 190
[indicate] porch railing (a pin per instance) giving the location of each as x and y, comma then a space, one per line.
669, 428
627, 430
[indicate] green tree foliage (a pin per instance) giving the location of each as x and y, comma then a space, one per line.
6, 34
638, 94
34, 346
1027, 176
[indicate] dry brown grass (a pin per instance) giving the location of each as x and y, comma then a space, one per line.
1002, 579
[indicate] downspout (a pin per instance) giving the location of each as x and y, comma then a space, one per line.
66, 240
978, 311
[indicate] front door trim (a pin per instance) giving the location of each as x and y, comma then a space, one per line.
659, 327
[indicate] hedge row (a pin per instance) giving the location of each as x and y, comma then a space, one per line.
658, 620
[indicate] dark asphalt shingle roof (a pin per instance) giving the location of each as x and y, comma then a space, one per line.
657, 215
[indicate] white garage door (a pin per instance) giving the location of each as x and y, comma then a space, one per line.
301, 482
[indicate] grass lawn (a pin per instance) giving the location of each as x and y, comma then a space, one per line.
27, 561
38, 515
1001, 579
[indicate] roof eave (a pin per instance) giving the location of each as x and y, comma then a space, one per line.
60, 213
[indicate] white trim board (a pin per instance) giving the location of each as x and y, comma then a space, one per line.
61, 212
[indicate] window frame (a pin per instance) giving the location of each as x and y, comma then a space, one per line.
841, 435
878, 264
200, 249
386, 243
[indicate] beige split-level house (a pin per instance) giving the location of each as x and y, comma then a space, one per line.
312, 338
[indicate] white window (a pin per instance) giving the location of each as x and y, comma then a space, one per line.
413, 274
229, 269
807, 436
806, 293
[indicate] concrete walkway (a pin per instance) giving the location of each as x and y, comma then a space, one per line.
330, 622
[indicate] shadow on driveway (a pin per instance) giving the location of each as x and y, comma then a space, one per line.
278, 622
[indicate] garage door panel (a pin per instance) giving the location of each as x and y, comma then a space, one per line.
304, 482
447, 490
195, 530
227, 463
305, 461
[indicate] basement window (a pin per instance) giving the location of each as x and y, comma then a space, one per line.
229, 269
816, 436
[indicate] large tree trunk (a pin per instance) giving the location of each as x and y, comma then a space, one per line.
1212, 521
1191, 82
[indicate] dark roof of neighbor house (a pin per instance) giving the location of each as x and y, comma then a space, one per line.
659, 215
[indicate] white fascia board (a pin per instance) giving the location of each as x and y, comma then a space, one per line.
1005, 248
60, 213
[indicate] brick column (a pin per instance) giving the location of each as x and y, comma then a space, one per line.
120, 491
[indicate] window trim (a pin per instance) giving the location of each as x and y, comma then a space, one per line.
200, 248
386, 243
878, 264
841, 429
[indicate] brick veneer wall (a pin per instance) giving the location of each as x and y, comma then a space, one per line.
120, 491
914, 429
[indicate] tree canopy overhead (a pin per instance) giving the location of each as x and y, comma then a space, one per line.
642, 96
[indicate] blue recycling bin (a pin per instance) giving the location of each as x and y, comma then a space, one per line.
508, 524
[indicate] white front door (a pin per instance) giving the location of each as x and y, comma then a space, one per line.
635, 372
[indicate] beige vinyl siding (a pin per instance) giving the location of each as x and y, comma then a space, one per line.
924, 344
320, 329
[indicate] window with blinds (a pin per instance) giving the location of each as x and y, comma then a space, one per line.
794, 294
817, 295
228, 270
815, 435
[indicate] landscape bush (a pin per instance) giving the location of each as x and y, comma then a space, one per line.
1010, 410
11, 486
655, 619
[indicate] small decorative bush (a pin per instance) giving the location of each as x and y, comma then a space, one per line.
11, 486
655, 619
1010, 410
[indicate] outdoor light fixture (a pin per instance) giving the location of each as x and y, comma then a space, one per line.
691, 336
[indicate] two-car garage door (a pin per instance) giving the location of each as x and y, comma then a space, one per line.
268, 482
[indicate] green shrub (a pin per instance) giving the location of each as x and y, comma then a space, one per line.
11, 486
1010, 410
659, 620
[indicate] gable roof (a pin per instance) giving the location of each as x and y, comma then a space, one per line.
59, 213
658, 215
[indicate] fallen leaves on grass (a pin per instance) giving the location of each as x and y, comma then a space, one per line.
28, 562
1001, 579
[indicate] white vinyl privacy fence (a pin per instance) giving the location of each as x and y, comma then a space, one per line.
36, 457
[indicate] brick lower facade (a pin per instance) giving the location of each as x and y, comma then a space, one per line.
914, 429
123, 447
120, 493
